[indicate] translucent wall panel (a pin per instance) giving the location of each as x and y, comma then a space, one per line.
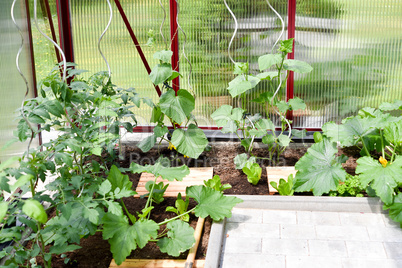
355, 50
89, 19
13, 88
209, 28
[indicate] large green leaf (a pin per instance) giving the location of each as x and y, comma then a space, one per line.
145, 230
177, 107
241, 84
382, 179
119, 180
146, 144
266, 61
350, 132
163, 169
212, 203
160, 73
393, 133
226, 117
318, 169
120, 235
296, 104
395, 209
180, 238
35, 210
163, 55
297, 66
190, 142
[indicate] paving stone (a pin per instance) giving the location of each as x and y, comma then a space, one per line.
366, 249
370, 263
287, 247
279, 216
389, 222
363, 219
242, 245
385, 234
253, 261
246, 215
393, 250
235, 229
312, 262
351, 233
318, 217
295, 231
326, 248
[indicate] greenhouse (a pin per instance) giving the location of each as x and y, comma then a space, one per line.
213, 133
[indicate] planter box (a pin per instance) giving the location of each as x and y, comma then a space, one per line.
277, 173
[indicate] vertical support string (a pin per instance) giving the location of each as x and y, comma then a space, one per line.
235, 31
103, 33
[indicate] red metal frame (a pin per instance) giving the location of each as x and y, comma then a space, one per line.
66, 37
291, 34
137, 45
174, 36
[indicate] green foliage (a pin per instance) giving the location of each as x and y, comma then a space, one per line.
285, 187
216, 184
158, 190
319, 170
351, 187
188, 139
181, 207
273, 68
88, 115
180, 237
375, 132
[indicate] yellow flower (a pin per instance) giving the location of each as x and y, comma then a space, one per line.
185, 156
383, 161
171, 146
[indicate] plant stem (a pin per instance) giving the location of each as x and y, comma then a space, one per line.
382, 144
177, 217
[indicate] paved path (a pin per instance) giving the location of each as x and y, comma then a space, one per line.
286, 238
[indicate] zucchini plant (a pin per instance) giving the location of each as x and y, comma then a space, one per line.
378, 133
274, 70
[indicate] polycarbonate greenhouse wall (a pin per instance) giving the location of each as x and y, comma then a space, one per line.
354, 47
13, 87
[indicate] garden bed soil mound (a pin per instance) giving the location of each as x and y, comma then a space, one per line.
95, 251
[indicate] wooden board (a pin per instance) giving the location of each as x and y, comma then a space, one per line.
130, 263
196, 177
277, 173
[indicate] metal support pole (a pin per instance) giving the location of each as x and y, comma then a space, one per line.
291, 34
174, 36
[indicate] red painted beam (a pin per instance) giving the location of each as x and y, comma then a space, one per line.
291, 34
66, 37
137, 45
174, 36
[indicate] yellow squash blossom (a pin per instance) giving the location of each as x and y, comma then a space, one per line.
383, 161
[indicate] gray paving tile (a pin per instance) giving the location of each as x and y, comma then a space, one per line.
253, 261
246, 215
370, 263
389, 222
287, 247
366, 249
385, 234
352, 233
312, 262
327, 248
318, 217
236, 229
393, 250
279, 216
295, 231
363, 219
241, 245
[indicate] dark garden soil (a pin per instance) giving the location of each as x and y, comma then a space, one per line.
95, 252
